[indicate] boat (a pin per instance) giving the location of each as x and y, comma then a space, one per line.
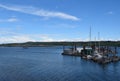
98, 53
25, 47
70, 51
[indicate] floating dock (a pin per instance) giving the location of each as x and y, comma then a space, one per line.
100, 55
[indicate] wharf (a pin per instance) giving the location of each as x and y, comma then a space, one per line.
102, 56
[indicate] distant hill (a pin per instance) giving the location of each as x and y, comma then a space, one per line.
78, 43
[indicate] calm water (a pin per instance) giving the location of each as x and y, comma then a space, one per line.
47, 64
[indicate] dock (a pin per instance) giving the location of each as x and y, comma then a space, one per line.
102, 55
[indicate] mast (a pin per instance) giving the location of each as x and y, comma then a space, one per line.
90, 39
99, 41
95, 41
90, 36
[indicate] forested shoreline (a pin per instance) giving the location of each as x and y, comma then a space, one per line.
66, 43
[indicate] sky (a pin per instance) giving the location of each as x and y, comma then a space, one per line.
59, 20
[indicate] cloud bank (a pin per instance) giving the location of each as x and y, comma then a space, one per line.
13, 37
39, 12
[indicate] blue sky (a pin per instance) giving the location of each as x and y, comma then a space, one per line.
58, 20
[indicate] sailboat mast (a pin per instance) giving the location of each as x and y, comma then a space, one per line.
99, 41
90, 36
95, 41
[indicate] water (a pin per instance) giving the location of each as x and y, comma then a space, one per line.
47, 64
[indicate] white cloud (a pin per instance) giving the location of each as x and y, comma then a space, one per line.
75, 39
26, 38
110, 13
8, 36
12, 37
45, 38
15, 39
12, 20
9, 20
39, 12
